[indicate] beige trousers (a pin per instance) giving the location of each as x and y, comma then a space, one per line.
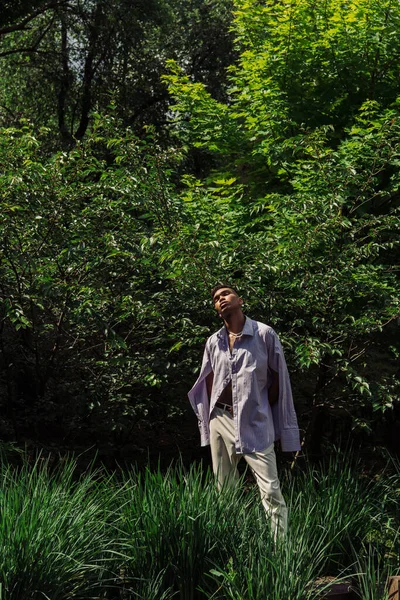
262, 464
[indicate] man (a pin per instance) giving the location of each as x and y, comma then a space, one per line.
243, 402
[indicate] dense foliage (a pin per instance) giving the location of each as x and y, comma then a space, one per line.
282, 175
87, 328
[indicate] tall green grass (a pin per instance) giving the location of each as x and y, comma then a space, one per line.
156, 536
53, 532
333, 512
178, 524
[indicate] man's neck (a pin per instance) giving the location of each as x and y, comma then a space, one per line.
235, 322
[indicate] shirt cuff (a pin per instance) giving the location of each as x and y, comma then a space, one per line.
204, 434
290, 440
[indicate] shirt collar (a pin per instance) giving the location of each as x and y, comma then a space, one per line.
247, 329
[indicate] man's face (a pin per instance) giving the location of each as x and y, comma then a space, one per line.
226, 301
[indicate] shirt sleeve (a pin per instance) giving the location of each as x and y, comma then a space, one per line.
199, 400
283, 411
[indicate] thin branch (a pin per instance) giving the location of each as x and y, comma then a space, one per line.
34, 46
8, 110
31, 50
22, 25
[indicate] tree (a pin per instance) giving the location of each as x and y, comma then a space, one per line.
84, 337
302, 206
63, 59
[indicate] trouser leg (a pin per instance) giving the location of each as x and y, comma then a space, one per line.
223, 453
263, 465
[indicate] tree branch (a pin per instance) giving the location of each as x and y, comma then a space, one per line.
89, 71
64, 84
22, 25
29, 50
34, 47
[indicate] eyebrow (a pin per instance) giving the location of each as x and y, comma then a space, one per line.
221, 290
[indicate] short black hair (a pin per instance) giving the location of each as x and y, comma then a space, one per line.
223, 285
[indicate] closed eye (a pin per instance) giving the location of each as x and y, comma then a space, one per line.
219, 294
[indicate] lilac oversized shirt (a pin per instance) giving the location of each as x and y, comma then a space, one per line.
254, 354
